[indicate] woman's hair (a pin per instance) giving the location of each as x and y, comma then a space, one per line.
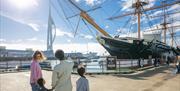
81, 71
42, 57
59, 54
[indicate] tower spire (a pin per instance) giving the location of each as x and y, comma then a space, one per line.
50, 36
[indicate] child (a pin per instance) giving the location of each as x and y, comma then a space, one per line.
178, 66
41, 83
82, 83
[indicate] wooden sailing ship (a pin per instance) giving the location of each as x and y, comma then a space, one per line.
130, 47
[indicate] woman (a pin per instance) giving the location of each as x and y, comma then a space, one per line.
36, 69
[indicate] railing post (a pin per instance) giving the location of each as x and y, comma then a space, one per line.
20, 63
102, 66
7, 65
131, 63
119, 66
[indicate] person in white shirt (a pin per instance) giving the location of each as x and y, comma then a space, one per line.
82, 83
61, 77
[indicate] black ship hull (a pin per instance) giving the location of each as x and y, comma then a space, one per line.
132, 48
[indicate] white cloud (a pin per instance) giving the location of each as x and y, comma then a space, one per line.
176, 23
34, 26
69, 40
33, 39
176, 6
24, 4
93, 2
133, 20
173, 8
88, 37
173, 16
155, 26
157, 13
77, 0
29, 41
2, 40
106, 26
122, 30
60, 32
159, 26
16, 41
126, 5
23, 46
21, 20
151, 3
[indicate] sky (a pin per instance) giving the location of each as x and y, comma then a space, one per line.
23, 23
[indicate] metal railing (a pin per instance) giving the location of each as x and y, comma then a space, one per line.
122, 66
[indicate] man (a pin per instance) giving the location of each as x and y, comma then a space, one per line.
61, 77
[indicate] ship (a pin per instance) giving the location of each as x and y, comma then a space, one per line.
131, 47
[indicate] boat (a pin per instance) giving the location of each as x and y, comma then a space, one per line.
130, 47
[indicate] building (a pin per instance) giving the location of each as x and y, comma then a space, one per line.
15, 53
74, 55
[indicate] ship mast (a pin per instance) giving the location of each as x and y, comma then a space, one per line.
164, 24
138, 8
138, 11
85, 16
172, 36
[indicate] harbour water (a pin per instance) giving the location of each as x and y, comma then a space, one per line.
100, 65
91, 66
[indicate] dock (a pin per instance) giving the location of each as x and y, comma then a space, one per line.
154, 79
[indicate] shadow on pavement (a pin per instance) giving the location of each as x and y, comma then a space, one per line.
145, 73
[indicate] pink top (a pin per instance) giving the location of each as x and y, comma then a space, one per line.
35, 72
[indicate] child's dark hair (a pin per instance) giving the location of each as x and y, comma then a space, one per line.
81, 71
40, 82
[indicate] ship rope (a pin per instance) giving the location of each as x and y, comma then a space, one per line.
117, 11
105, 12
58, 13
149, 22
69, 7
70, 23
88, 28
77, 26
175, 41
126, 23
65, 15
130, 28
171, 32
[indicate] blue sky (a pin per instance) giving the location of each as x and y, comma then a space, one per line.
23, 23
